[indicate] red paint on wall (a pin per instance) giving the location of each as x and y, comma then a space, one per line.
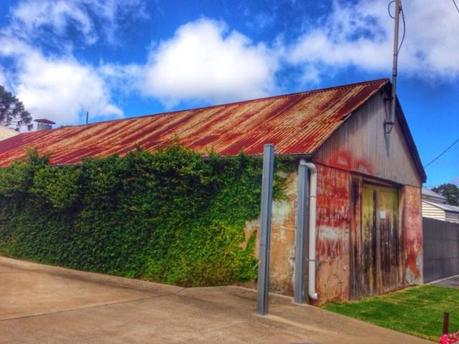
333, 223
345, 160
412, 224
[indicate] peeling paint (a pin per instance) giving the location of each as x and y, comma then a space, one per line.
333, 223
413, 234
282, 256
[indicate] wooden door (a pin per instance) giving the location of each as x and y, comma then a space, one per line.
375, 242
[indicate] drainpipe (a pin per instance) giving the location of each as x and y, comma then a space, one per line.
312, 231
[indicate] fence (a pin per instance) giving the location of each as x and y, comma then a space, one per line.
441, 249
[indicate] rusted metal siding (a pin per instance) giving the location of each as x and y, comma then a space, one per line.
295, 124
412, 233
333, 225
361, 146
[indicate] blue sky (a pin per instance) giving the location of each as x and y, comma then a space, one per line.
120, 58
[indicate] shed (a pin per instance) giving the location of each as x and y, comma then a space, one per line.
369, 230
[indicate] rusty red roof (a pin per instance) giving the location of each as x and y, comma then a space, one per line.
296, 124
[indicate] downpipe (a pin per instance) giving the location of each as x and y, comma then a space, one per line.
312, 266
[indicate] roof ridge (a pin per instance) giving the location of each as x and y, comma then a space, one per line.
317, 90
227, 128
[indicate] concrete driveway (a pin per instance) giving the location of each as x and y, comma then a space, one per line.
43, 304
452, 282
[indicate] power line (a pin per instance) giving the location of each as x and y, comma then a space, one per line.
403, 21
404, 29
455, 5
442, 153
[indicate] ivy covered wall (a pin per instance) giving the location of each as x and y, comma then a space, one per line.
172, 216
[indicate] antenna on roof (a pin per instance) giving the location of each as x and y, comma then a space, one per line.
87, 117
390, 120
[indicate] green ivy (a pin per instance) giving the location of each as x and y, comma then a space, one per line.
172, 216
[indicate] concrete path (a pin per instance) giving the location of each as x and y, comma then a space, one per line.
452, 282
43, 304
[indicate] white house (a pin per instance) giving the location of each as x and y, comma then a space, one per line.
434, 206
6, 132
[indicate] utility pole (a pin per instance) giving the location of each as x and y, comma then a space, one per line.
398, 9
87, 117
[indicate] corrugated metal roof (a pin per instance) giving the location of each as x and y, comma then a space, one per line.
446, 207
433, 194
296, 124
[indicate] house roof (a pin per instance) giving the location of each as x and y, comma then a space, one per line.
44, 120
431, 194
7, 132
297, 124
445, 207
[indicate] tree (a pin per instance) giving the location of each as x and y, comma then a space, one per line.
450, 191
12, 110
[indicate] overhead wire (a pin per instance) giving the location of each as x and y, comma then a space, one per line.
398, 50
455, 141
455, 5
402, 12
403, 21
442, 153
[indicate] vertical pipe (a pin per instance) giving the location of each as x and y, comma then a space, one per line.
312, 232
265, 229
301, 224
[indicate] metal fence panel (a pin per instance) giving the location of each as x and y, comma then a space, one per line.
441, 249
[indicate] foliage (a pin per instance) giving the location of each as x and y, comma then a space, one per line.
11, 109
417, 311
450, 191
172, 216
450, 338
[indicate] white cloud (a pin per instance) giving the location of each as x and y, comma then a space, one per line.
206, 61
360, 34
56, 88
92, 19
123, 79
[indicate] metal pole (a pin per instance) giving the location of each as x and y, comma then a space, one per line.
87, 117
395, 59
301, 221
265, 229
445, 323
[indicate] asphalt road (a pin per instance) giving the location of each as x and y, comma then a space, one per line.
42, 304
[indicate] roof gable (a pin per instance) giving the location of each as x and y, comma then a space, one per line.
296, 124
360, 145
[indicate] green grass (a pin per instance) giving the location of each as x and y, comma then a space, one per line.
417, 311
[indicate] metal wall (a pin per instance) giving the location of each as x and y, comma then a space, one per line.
361, 146
441, 249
